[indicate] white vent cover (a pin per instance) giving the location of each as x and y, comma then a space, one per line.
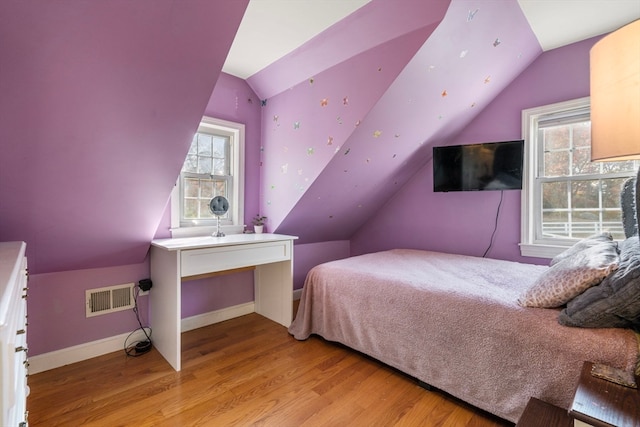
109, 299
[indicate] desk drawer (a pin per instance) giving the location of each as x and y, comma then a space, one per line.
211, 260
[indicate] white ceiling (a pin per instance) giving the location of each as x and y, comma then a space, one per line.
562, 22
271, 29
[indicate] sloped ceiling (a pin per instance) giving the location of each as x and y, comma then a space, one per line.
272, 29
98, 100
475, 51
563, 22
374, 24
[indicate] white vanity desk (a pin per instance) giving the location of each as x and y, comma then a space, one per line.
173, 260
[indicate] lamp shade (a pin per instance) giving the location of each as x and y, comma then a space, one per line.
615, 95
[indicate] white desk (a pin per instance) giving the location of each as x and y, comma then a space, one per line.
192, 257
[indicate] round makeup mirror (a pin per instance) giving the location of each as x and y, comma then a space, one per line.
218, 206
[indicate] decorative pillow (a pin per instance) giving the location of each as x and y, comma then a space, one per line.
615, 303
582, 245
572, 276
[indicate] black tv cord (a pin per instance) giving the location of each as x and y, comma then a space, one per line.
495, 227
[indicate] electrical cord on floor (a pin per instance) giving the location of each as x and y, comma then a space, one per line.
495, 227
138, 348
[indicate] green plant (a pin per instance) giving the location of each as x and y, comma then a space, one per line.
259, 219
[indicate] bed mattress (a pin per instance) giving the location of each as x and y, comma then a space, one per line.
453, 321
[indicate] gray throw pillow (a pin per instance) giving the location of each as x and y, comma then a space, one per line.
615, 302
581, 246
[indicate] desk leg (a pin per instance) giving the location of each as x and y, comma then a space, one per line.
274, 291
165, 304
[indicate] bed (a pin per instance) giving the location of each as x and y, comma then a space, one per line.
460, 323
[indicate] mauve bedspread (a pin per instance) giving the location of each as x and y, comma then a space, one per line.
453, 322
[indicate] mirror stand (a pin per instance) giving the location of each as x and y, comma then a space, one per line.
218, 233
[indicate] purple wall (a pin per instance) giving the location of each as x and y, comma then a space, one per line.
56, 300
467, 60
232, 99
306, 126
462, 223
307, 256
98, 104
56, 307
54, 83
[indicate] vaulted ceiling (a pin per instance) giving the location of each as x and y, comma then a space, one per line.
381, 119
273, 29
331, 166
99, 100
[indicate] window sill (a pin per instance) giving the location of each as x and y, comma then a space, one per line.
541, 251
205, 230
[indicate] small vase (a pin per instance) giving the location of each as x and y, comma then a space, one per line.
258, 229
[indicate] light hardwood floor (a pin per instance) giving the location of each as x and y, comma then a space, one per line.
242, 372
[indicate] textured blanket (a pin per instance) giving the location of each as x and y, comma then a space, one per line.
453, 321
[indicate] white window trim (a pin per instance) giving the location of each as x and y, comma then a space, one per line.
528, 245
236, 224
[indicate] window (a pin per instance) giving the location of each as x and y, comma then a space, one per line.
565, 196
214, 166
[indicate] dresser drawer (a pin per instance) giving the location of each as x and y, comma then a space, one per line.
13, 334
207, 260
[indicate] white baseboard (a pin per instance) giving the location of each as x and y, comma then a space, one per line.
200, 320
296, 294
77, 353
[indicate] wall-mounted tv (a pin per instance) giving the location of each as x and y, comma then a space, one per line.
476, 167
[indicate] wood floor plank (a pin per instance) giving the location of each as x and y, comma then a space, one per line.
246, 371
421, 410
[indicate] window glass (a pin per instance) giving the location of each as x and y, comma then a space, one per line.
567, 197
213, 167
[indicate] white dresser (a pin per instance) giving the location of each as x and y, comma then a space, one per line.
13, 334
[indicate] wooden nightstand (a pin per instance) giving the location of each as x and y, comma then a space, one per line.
601, 403
539, 413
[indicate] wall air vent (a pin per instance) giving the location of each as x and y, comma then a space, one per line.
109, 299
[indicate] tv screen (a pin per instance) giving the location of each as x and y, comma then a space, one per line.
476, 167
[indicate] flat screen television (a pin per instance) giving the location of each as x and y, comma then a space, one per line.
478, 167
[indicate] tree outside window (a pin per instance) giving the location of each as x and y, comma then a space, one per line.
566, 197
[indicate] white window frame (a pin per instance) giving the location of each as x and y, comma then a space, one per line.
235, 223
531, 201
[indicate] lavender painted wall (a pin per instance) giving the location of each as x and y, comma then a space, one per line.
56, 307
473, 54
205, 295
415, 217
93, 123
98, 104
56, 300
462, 223
306, 126
307, 256
232, 99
